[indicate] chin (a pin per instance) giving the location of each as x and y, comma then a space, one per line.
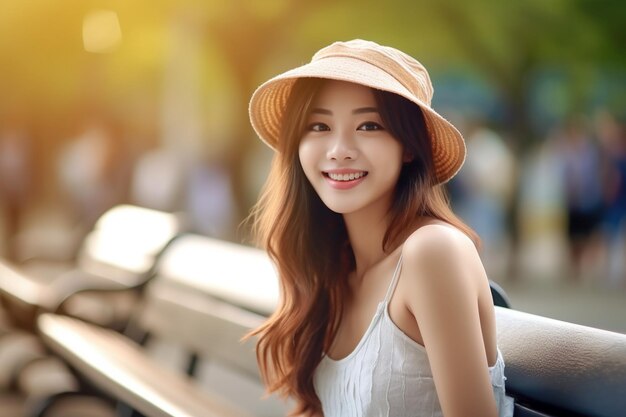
341, 207
338, 208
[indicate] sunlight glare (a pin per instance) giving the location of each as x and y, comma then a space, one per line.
101, 31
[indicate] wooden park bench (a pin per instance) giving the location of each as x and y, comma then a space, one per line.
115, 261
118, 254
207, 294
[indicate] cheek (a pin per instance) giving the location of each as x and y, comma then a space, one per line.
392, 164
306, 153
390, 154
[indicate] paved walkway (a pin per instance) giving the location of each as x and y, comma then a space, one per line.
576, 303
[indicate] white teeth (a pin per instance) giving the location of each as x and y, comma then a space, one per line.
346, 177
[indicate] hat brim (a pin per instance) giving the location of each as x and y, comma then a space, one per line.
268, 103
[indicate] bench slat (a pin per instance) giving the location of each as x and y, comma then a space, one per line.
120, 368
207, 326
241, 275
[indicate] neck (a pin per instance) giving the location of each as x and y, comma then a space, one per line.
366, 232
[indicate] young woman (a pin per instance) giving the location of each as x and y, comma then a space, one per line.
386, 309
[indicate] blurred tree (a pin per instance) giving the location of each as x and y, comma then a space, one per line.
505, 42
530, 35
247, 32
45, 68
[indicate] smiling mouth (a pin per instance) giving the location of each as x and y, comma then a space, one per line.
345, 177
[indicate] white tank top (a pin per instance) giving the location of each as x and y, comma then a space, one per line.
388, 374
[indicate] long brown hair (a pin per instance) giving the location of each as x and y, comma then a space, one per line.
309, 243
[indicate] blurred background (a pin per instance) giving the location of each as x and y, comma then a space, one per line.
145, 102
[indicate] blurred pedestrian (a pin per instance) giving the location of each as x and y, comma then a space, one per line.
612, 138
484, 190
94, 170
210, 197
580, 166
158, 180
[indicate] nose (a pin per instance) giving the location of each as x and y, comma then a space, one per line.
341, 148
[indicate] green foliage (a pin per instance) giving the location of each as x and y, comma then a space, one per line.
503, 42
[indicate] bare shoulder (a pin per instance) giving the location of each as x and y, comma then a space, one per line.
442, 278
438, 242
438, 256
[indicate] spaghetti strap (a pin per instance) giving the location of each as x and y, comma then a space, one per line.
394, 281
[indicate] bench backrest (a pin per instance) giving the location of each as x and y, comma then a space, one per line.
205, 296
561, 368
125, 242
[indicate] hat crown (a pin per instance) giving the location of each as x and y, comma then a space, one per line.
404, 68
367, 63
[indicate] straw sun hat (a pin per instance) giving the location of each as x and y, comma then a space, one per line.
369, 64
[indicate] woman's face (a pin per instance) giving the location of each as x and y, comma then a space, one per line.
346, 153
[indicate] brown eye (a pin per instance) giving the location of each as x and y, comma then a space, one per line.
370, 126
318, 127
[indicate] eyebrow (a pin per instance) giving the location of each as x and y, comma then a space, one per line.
360, 110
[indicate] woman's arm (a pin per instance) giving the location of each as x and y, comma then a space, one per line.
442, 271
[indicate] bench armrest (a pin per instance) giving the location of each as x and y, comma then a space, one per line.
25, 297
119, 367
74, 282
564, 365
17, 285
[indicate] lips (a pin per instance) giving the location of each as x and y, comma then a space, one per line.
344, 174
344, 178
